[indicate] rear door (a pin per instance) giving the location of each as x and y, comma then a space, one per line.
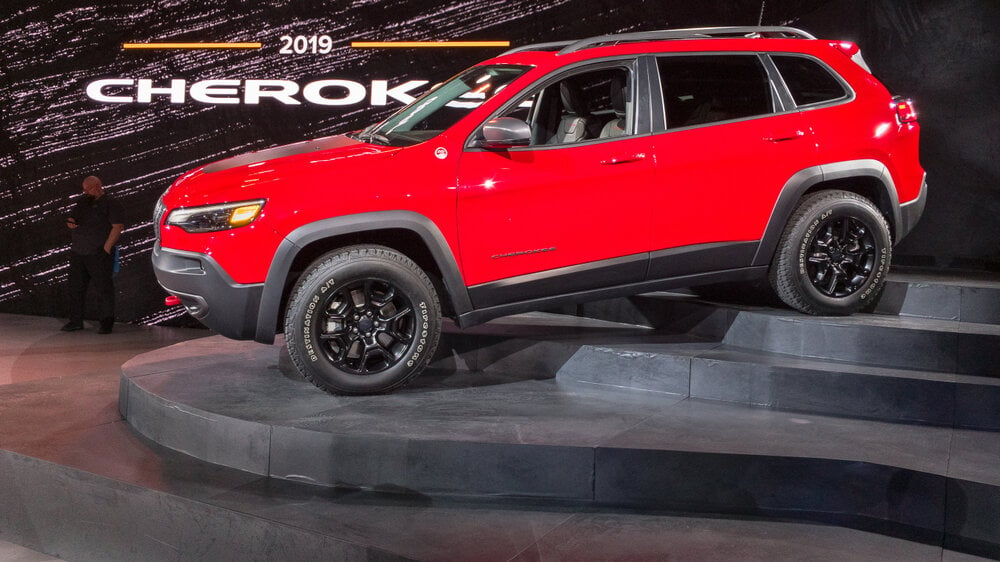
728, 149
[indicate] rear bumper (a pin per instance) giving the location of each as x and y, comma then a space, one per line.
208, 293
911, 211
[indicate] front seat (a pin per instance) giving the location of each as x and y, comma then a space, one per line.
576, 119
616, 127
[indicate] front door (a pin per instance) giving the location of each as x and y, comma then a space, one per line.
568, 213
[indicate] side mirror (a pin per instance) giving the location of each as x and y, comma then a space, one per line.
504, 132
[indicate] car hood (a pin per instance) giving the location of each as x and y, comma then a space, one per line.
246, 175
342, 144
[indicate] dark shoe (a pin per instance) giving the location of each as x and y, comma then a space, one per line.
106, 326
72, 326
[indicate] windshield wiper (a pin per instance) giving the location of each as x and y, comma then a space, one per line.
370, 137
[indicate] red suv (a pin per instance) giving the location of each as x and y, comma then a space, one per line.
554, 173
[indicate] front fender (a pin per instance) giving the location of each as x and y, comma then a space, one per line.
300, 238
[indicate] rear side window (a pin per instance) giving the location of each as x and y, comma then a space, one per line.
704, 89
808, 81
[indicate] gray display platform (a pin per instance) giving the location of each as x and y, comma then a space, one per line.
661, 402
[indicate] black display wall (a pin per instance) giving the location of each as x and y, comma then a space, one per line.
53, 132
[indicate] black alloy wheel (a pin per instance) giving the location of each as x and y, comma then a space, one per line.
833, 255
362, 320
366, 326
842, 256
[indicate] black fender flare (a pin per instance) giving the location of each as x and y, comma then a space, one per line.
803, 180
288, 250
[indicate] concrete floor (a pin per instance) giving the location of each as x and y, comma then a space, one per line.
10, 552
44, 370
59, 403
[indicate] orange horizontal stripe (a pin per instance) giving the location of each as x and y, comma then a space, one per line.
421, 44
191, 45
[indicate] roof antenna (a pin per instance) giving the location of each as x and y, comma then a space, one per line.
760, 20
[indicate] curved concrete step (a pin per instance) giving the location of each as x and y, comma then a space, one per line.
902, 342
511, 433
608, 413
946, 295
769, 380
885, 341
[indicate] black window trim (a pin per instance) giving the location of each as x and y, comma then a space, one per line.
848, 97
782, 96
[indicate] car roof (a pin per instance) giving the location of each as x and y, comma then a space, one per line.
760, 32
546, 56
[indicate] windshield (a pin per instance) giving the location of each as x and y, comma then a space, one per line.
443, 106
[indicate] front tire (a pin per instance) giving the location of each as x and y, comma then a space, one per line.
833, 256
362, 320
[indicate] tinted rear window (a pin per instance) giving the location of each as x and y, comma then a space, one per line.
808, 81
703, 89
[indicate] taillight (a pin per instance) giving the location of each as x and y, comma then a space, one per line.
905, 112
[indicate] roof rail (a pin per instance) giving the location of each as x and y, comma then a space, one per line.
689, 33
555, 45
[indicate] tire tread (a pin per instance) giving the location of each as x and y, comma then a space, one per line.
320, 268
782, 274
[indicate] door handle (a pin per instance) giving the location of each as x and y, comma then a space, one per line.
624, 159
785, 136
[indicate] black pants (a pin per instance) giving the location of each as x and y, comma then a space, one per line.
93, 269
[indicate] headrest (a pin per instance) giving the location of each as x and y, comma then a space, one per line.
572, 99
618, 95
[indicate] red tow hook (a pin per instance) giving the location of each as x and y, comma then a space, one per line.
171, 301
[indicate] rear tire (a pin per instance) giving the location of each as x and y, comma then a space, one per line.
833, 256
362, 320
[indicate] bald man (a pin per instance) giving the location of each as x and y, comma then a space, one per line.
95, 223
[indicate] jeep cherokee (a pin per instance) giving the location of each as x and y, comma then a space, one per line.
554, 173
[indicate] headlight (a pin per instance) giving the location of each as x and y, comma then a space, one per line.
211, 218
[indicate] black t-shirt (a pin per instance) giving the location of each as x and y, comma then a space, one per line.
94, 218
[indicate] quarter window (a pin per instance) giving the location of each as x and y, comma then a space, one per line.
710, 88
807, 80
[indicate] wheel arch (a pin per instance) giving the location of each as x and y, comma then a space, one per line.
409, 233
867, 178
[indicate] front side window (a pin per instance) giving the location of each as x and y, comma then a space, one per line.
702, 89
588, 105
807, 80
443, 106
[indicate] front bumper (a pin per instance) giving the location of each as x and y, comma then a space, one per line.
208, 292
